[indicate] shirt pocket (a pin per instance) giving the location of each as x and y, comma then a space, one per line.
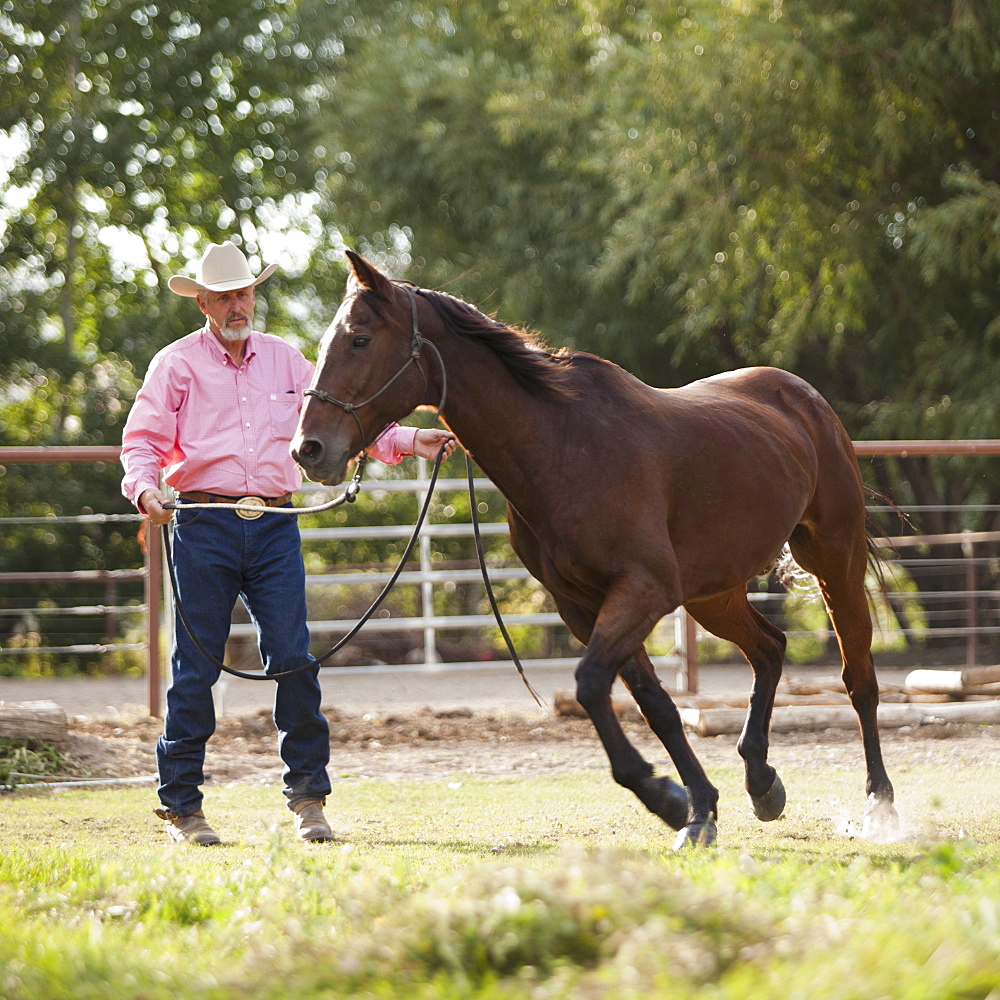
284, 410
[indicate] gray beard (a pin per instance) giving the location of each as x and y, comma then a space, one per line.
233, 335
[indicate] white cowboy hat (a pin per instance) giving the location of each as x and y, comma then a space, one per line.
221, 269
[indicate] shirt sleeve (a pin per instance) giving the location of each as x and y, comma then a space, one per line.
150, 435
394, 444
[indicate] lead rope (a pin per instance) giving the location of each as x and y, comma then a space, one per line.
311, 662
349, 497
350, 494
489, 587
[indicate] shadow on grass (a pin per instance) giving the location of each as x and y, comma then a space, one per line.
470, 848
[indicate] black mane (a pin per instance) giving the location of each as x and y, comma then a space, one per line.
530, 362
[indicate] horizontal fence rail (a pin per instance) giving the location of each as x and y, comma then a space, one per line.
429, 577
150, 574
975, 559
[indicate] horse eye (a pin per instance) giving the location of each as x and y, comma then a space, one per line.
360, 343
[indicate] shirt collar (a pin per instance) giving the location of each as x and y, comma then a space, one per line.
216, 348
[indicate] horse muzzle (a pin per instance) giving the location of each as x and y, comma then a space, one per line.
320, 463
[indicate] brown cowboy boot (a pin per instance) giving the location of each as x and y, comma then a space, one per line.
310, 823
190, 829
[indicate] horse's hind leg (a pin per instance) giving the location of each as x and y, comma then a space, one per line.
841, 580
595, 677
731, 617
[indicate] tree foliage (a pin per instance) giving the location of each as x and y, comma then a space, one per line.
688, 188
683, 187
147, 130
132, 134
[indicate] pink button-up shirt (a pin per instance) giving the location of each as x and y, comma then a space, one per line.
217, 426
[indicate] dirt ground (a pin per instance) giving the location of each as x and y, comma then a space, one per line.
481, 723
426, 744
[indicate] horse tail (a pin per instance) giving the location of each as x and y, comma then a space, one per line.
878, 539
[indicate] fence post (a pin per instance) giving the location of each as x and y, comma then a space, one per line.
690, 652
426, 588
154, 597
972, 602
110, 600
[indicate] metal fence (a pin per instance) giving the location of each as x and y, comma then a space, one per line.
150, 574
941, 587
425, 630
911, 612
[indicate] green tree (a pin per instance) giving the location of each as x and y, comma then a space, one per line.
159, 125
133, 133
688, 188
691, 188
738, 171
683, 188
460, 153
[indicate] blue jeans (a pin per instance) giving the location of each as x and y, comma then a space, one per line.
217, 558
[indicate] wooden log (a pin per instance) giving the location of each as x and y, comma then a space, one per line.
934, 681
742, 701
566, 706
799, 718
809, 684
819, 686
918, 698
951, 681
33, 720
823, 698
993, 690
979, 676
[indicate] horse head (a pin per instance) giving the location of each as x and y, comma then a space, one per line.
369, 373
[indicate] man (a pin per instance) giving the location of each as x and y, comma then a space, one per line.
217, 411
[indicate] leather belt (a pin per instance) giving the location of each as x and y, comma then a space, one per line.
197, 496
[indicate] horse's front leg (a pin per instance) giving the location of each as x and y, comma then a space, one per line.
626, 617
661, 715
658, 793
618, 632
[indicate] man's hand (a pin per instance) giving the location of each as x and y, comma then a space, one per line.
428, 443
152, 501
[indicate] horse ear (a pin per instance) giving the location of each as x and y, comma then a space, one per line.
368, 276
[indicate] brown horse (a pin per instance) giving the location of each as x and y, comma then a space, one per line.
626, 502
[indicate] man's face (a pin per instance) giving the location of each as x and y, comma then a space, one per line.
230, 314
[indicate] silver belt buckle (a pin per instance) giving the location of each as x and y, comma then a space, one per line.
251, 515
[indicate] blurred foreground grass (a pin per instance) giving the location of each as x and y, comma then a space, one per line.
536, 888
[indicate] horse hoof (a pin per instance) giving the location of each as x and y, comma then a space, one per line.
881, 822
771, 804
666, 799
696, 835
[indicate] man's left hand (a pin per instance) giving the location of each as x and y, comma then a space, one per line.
427, 443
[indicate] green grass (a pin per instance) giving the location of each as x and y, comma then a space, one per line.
541, 888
